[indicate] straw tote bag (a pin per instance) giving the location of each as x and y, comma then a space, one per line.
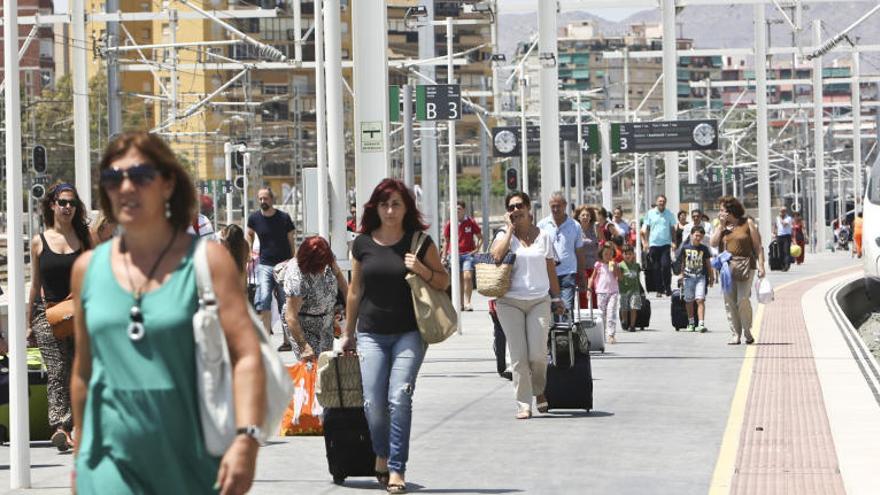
493, 278
435, 314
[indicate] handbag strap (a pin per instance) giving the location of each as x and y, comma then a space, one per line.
417, 241
203, 274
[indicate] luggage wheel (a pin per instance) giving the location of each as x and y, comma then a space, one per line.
339, 480
676, 329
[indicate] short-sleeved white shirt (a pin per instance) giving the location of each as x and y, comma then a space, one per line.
529, 278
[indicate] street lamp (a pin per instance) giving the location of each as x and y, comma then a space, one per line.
411, 13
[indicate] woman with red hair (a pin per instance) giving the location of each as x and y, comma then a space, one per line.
380, 308
311, 281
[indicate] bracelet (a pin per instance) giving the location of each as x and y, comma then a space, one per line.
556, 299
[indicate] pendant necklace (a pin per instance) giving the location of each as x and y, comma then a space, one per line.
136, 327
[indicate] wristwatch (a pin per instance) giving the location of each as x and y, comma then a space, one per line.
252, 431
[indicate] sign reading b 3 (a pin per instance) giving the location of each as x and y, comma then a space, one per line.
438, 102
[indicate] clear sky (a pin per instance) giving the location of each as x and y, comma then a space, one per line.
612, 14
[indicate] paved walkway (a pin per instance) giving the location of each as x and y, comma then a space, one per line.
662, 403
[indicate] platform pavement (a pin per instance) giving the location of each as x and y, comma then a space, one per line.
661, 406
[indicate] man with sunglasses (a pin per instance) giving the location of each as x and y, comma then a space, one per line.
568, 242
277, 236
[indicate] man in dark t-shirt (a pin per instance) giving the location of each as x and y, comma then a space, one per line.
277, 237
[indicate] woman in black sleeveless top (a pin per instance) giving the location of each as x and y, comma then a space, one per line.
52, 255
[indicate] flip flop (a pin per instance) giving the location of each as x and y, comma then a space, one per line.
382, 477
396, 488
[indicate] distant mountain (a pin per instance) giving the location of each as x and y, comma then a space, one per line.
723, 26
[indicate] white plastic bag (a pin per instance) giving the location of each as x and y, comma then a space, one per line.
764, 290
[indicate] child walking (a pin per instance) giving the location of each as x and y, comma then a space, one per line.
604, 279
630, 289
696, 271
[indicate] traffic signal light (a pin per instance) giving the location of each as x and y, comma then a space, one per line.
39, 159
239, 182
512, 179
38, 191
238, 158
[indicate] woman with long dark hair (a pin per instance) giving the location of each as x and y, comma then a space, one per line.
232, 238
52, 256
380, 309
135, 399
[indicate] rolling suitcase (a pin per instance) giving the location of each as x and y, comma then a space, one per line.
774, 254
38, 402
347, 437
643, 317
591, 326
651, 285
678, 310
570, 388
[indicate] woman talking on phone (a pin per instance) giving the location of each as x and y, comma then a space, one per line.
525, 310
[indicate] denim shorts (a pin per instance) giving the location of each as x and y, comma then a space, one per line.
466, 262
266, 287
695, 288
630, 301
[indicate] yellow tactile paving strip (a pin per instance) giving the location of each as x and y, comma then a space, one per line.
786, 445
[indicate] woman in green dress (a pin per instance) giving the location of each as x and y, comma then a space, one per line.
134, 393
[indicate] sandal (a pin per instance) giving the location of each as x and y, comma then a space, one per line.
542, 406
396, 488
285, 347
524, 414
382, 477
60, 440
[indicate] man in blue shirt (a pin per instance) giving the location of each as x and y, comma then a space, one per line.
568, 242
658, 235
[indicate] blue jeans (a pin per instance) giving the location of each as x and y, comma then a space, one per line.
266, 288
567, 286
389, 366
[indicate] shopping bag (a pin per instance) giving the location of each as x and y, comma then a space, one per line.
303, 415
764, 291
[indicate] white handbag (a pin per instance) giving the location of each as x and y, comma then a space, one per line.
214, 368
764, 290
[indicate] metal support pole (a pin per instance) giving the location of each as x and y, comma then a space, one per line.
216, 206
244, 190
408, 166
496, 84
637, 206
430, 175
320, 122
227, 167
297, 30
626, 86
567, 171
335, 128
453, 186
670, 98
19, 426
549, 98
607, 183
523, 131
114, 105
370, 45
172, 73
485, 178
857, 131
81, 144
819, 140
692, 175
579, 169
765, 216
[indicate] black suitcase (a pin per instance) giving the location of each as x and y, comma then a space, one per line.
774, 254
651, 285
678, 310
570, 388
349, 447
643, 317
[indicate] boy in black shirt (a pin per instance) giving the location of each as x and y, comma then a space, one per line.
696, 272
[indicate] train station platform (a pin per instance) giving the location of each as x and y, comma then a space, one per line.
675, 413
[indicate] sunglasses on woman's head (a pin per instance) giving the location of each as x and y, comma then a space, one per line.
64, 203
139, 175
516, 206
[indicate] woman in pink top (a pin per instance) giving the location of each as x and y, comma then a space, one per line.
604, 281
